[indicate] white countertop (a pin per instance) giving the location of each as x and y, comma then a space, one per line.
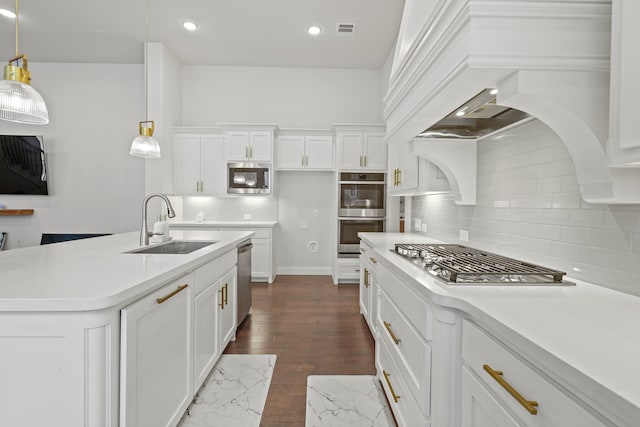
97, 273
587, 334
223, 224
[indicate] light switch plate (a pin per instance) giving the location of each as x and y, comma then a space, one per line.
464, 235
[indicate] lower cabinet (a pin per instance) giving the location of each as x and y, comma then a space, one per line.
156, 371
227, 308
479, 407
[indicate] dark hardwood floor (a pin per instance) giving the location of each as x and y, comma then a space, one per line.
315, 328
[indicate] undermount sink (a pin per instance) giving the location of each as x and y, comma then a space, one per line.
179, 247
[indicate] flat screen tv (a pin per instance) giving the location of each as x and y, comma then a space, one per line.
22, 165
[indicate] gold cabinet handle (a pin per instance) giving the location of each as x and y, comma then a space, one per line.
172, 293
399, 176
529, 405
373, 260
366, 278
226, 294
221, 298
393, 393
391, 333
365, 161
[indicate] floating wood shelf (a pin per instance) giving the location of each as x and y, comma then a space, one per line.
15, 212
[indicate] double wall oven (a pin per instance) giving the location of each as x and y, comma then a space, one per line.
361, 208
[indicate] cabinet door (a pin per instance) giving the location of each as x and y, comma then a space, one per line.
290, 152
350, 150
156, 372
319, 152
365, 293
207, 346
227, 307
237, 145
375, 151
393, 157
260, 145
479, 407
260, 259
213, 165
187, 163
408, 176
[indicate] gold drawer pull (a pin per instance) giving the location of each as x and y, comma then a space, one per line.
393, 393
366, 278
373, 260
393, 336
226, 294
529, 405
166, 297
221, 298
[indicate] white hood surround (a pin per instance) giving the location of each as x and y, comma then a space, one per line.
550, 59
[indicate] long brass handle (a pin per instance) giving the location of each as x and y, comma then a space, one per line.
399, 176
373, 260
393, 393
395, 177
529, 405
366, 278
226, 294
221, 298
391, 333
172, 293
365, 161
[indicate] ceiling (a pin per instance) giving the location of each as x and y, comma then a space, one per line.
231, 32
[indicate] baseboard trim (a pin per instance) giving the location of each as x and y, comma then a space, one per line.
305, 271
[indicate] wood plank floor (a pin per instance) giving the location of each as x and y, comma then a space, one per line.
315, 328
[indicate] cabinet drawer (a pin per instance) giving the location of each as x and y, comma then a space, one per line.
409, 349
413, 306
206, 275
228, 261
480, 352
348, 269
368, 256
405, 409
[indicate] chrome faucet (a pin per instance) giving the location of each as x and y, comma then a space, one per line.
144, 232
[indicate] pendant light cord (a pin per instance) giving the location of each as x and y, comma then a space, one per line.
146, 62
17, 22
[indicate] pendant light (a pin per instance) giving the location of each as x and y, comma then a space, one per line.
145, 145
19, 102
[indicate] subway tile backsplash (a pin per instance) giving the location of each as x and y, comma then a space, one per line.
529, 207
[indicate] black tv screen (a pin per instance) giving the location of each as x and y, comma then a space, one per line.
22, 165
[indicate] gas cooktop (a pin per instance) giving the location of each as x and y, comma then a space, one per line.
462, 265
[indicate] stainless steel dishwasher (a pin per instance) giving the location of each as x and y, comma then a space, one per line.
244, 280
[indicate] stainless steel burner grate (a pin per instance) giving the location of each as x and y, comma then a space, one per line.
459, 263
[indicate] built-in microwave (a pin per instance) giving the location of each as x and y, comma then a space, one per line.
249, 178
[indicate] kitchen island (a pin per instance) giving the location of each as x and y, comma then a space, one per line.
69, 315
581, 343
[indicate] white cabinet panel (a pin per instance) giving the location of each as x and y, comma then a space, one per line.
479, 407
350, 149
319, 152
374, 151
207, 348
200, 169
361, 150
156, 365
260, 258
299, 152
243, 145
187, 164
227, 308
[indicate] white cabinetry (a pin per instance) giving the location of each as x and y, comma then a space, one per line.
409, 174
156, 371
361, 148
497, 382
249, 145
227, 308
368, 286
200, 169
304, 152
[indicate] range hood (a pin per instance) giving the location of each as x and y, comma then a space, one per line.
478, 117
557, 61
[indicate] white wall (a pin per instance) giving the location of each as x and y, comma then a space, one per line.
529, 207
95, 186
290, 97
299, 194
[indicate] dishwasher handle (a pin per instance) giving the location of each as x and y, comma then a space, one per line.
244, 247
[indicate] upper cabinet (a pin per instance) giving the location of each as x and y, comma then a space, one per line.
304, 151
200, 169
249, 142
409, 174
361, 147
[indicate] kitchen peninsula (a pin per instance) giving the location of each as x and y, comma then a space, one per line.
572, 350
79, 321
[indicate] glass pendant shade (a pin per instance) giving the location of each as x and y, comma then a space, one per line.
19, 102
145, 145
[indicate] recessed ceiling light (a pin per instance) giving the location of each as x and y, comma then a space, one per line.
314, 30
8, 13
190, 25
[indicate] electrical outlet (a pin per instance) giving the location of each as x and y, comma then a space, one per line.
464, 235
424, 227
316, 212
417, 223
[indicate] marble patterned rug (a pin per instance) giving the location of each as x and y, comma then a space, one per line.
346, 400
234, 394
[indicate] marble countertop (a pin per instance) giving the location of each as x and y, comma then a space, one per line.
223, 224
586, 334
97, 273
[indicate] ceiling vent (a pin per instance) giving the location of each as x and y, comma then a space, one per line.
345, 29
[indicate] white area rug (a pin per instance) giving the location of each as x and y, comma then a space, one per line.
346, 400
235, 392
